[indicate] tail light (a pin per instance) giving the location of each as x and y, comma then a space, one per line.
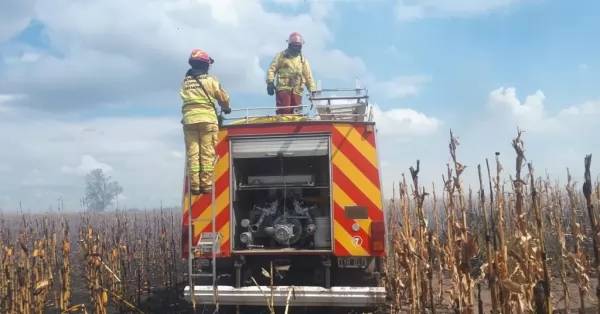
377, 236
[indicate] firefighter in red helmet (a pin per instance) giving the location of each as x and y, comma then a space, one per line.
293, 73
200, 122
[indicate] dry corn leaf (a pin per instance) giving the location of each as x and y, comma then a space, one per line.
76, 308
41, 286
511, 286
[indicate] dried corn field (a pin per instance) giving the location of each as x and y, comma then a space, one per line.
517, 243
524, 246
119, 262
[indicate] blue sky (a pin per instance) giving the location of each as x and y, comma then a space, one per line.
72, 70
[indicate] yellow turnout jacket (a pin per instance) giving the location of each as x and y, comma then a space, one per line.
197, 106
293, 73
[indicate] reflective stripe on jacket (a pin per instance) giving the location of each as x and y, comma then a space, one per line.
293, 73
197, 106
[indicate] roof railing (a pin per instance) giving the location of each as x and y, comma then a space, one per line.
334, 108
297, 112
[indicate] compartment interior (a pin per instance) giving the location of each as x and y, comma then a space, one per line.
281, 203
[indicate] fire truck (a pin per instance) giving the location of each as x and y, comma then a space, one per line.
296, 214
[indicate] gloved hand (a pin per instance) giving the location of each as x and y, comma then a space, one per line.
226, 111
270, 89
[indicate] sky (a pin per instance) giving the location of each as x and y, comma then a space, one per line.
94, 84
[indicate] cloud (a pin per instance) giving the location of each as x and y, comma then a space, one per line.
87, 164
101, 53
401, 86
291, 3
6, 102
533, 115
407, 10
15, 16
22, 55
529, 113
403, 123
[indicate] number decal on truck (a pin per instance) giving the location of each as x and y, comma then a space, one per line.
357, 241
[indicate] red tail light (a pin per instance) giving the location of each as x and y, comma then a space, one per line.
377, 236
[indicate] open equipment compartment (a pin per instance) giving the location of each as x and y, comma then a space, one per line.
281, 193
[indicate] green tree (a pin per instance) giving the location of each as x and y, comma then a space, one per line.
100, 191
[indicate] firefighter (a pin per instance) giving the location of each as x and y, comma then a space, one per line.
293, 71
200, 122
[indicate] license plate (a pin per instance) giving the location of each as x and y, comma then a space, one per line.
352, 262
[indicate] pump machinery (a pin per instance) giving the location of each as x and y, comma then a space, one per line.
275, 222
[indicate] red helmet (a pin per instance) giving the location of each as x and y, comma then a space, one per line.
295, 39
201, 55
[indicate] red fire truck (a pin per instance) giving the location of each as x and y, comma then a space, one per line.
296, 210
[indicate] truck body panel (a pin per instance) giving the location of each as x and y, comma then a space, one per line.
355, 183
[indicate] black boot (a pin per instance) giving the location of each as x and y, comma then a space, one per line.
206, 191
196, 191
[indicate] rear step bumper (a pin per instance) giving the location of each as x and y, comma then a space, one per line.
302, 296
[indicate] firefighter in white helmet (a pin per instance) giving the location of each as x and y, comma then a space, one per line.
293, 73
200, 122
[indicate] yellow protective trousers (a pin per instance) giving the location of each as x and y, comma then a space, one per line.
200, 143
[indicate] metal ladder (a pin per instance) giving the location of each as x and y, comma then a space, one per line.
214, 242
